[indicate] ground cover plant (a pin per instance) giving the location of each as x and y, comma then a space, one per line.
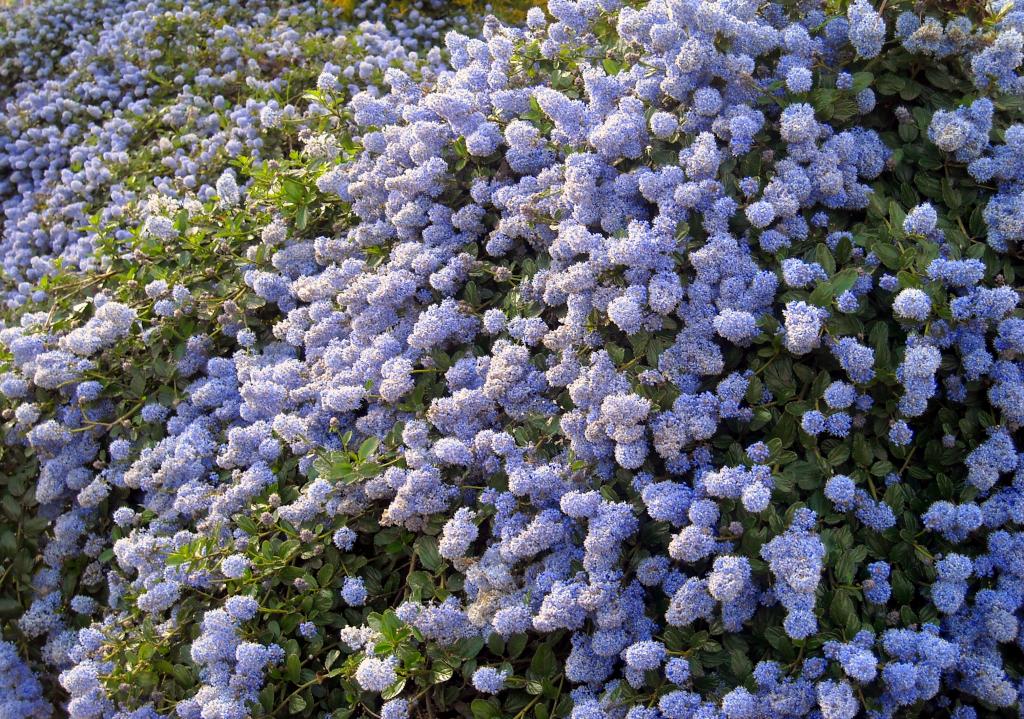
627, 360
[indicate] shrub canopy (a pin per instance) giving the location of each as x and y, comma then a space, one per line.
642, 360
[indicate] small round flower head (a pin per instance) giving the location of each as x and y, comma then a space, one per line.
800, 624
494, 321
246, 337
838, 424
395, 709
580, 504
749, 186
124, 517
535, 18
663, 125
241, 607
900, 433
877, 589
802, 326
707, 101
798, 123
912, 304
704, 513
155, 289
921, 220
760, 214
954, 567
645, 655
841, 491
756, 497
375, 674
227, 189
308, 630
836, 700
736, 326
739, 704
799, 79
353, 591
489, 680
840, 395
234, 566
89, 391
867, 28
844, 81
120, 449
677, 671
81, 604
889, 283
344, 539
865, 101
847, 302
813, 667
652, 570
729, 576
758, 452
813, 422
153, 412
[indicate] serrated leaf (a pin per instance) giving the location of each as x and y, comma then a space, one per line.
428, 554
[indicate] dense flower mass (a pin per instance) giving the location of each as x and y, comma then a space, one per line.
639, 360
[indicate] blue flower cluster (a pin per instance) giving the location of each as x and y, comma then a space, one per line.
616, 342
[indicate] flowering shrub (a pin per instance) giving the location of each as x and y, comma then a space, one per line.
644, 360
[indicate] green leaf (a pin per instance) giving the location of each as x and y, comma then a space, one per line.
838, 455
516, 645
246, 524
939, 76
368, 447
879, 340
740, 663
888, 253
841, 608
845, 280
779, 641
469, 648
543, 662
429, 556
293, 190
296, 704
395, 689
10, 607
495, 644
862, 453
824, 258
896, 218
293, 667
890, 84
950, 195
822, 294
485, 709
862, 81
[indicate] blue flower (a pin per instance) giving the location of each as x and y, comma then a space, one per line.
489, 680
920, 220
353, 591
900, 433
912, 304
867, 30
